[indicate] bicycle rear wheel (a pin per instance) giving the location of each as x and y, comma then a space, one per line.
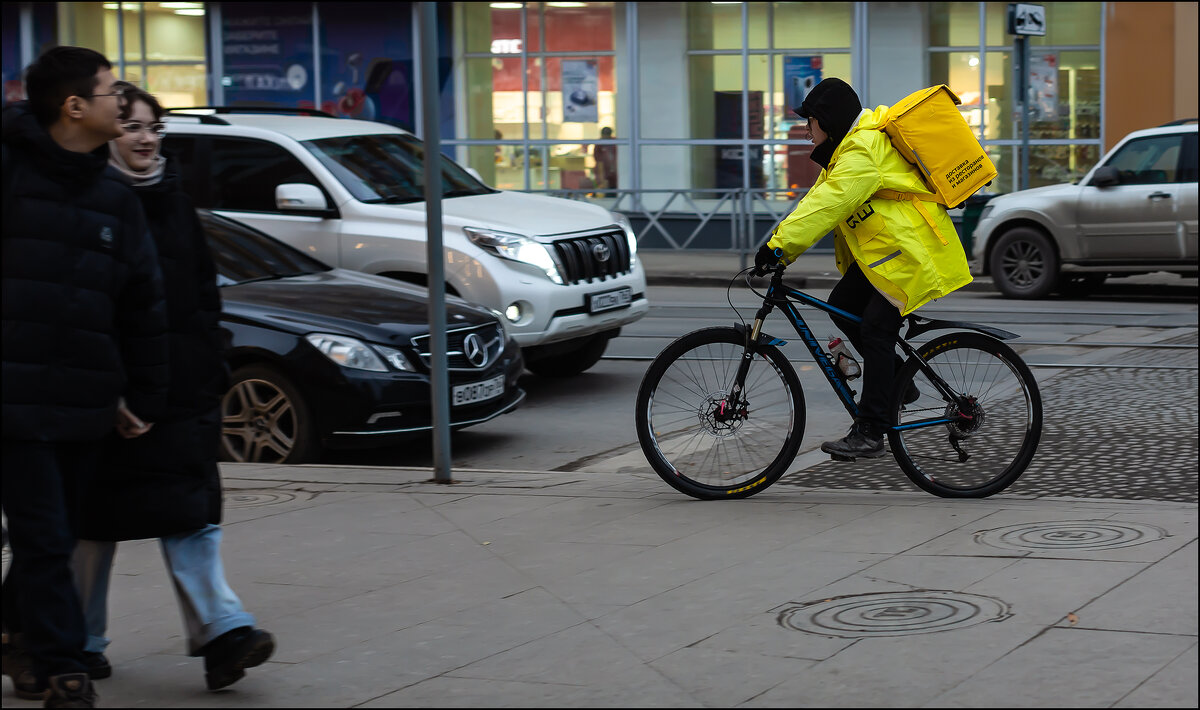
977, 452
691, 435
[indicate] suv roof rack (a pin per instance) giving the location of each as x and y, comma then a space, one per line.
212, 119
1179, 122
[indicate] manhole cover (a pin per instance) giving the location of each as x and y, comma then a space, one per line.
257, 499
1070, 535
892, 613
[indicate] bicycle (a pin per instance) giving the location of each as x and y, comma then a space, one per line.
720, 411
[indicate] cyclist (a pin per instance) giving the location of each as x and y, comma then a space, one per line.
892, 261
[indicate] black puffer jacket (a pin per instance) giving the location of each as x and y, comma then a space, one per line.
167, 481
83, 308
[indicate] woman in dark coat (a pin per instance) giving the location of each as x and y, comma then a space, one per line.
165, 483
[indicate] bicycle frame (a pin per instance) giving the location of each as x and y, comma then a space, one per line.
787, 299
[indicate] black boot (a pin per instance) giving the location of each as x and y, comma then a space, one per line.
863, 441
227, 657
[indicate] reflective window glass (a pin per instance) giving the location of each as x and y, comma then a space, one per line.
245, 173
173, 33
243, 254
953, 24
813, 25
714, 25
998, 96
1066, 94
1148, 161
176, 85
1070, 23
960, 71
579, 27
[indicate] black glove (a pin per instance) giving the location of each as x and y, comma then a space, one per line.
765, 259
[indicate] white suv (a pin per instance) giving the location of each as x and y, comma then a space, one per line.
1133, 213
563, 273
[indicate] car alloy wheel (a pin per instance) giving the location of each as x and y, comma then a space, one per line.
265, 420
1024, 264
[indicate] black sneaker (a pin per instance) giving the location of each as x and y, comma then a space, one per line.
227, 657
861, 442
98, 666
19, 666
70, 690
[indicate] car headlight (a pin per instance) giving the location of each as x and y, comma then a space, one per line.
346, 351
623, 222
516, 247
396, 358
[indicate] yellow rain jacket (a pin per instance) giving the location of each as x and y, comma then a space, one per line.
909, 250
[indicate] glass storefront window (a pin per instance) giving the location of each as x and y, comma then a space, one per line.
714, 95
171, 36
997, 24
1067, 101
998, 96
953, 24
1057, 164
781, 118
587, 28
714, 25
1070, 23
960, 71
176, 85
817, 25
93, 25
1007, 162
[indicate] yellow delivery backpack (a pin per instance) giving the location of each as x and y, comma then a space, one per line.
931, 134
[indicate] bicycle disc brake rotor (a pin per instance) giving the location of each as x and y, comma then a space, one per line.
965, 421
720, 418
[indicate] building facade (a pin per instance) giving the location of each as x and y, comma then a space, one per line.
695, 95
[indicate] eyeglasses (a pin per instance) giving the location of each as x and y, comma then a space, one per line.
119, 92
158, 130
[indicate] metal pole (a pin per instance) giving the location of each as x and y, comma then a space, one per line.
1022, 50
439, 378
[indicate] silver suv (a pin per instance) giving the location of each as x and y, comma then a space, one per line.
563, 274
1133, 213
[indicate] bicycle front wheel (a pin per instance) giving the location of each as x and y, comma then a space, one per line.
697, 438
973, 451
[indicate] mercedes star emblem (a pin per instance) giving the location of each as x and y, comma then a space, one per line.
475, 350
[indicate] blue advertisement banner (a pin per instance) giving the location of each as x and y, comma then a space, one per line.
268, 55
800, 75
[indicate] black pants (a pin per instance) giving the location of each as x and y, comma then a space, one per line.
40, 602
874, 339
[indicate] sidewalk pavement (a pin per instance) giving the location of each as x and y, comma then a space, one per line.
610, 589
555, 589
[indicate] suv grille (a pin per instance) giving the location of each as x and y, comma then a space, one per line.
490, 339
594, 257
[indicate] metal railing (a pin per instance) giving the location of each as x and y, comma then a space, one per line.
750, 212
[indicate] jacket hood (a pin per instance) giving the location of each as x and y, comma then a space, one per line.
836, 107
23, 133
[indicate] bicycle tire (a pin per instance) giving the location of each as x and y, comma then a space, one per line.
677, 407
999, 436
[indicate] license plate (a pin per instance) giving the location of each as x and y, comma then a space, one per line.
608, 300
478, 391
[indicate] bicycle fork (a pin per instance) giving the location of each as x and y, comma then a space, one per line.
734, 406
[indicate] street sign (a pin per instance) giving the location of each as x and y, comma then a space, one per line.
1026, 19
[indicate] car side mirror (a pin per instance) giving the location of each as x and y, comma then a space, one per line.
1106, 176
300, 197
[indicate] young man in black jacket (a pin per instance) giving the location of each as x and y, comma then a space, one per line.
84, 348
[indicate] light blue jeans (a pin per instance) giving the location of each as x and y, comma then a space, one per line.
209, 607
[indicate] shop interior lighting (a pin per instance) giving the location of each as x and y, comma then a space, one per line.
197, 12
506, 5
128, 7
567, 4
973, 61
181, 5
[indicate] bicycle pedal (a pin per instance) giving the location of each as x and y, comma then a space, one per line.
839, 457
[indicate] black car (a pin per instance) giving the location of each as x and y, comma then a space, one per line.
329, 357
